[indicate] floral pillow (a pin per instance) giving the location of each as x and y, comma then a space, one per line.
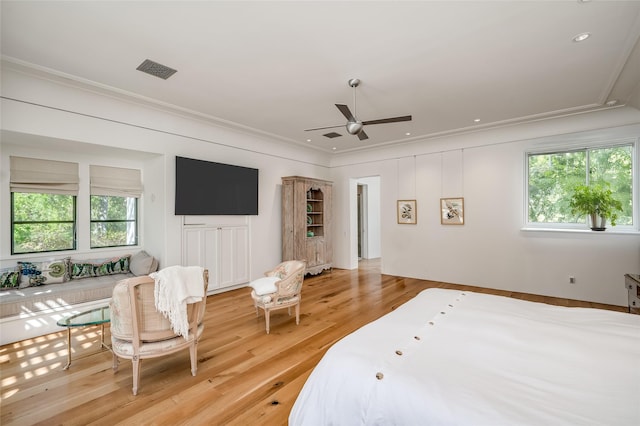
48, 272
9, 278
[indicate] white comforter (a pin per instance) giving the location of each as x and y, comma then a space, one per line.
460, 358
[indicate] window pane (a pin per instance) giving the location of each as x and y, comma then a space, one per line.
40, 237
32, 207
113, 221
614, 166
551, 179
42, 222
112, 208
110, 234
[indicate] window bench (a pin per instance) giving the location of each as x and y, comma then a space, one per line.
78, 286
34, 311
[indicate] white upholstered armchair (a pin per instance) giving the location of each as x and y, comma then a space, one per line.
139, 330
280, 288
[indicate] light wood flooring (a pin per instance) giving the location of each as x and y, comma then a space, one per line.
245, 376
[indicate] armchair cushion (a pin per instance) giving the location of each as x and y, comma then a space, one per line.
265, 285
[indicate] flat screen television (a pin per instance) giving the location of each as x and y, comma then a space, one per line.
208, 188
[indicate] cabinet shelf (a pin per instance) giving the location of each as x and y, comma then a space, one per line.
307, 235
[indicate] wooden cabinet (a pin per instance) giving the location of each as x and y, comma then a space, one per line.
224, 250
306, 222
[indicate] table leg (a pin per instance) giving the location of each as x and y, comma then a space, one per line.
68, 349
102, 338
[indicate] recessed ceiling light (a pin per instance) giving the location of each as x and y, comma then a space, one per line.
476, 120
334, 148
581, 37
308, 140
408, 133
612, 102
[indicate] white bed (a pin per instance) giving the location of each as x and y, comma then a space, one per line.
450, 357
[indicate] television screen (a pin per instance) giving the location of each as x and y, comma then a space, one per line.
208, 188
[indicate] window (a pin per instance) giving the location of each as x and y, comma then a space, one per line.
114, 206
114, 221
553, 175
43, 205
42, 222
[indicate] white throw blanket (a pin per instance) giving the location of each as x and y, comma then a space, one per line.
177, 286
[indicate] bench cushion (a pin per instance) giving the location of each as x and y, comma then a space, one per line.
36, 299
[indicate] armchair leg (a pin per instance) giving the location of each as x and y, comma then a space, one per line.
116, 362
298, 313
135, 361
267, 314
193, 350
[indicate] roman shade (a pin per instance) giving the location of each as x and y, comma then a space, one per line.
115, 181
43, 176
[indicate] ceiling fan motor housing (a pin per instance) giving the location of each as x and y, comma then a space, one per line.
354, 127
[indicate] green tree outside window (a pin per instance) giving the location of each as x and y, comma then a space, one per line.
552, 178
113, 221
42, 222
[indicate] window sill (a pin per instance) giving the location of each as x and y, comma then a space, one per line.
581, 231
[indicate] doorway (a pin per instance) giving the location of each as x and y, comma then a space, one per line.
362, 221
365, 219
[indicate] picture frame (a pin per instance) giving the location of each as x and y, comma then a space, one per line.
407, 212
452, 211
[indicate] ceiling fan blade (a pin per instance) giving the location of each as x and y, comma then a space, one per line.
322, 128
346, 112
362, 135
388, 120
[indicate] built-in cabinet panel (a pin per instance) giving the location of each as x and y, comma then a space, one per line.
223, 250
306, 222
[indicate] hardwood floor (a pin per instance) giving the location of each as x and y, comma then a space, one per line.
244, 375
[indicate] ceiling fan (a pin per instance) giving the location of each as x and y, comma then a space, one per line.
355, 126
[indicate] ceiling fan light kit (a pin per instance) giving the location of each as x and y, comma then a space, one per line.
355, 126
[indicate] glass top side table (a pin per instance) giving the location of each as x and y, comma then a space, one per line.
98, 316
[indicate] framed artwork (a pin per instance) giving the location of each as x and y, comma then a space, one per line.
452, 211
407, 213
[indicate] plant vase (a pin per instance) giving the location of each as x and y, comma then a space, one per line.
597, 222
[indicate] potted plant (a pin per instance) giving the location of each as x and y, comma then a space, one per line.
597, 202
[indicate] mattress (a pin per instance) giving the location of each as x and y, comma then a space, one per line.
451, 357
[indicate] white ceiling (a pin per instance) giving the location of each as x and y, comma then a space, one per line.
279, 67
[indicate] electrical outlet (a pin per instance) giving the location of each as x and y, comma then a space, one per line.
572, 280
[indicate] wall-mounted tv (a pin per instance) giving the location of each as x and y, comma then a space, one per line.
208, 188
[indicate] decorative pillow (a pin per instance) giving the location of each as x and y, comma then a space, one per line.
143, 264
9, 278
97, 268
265, 285
31, 275
48, 272
56, 271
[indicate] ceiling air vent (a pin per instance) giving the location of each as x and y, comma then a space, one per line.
155, 69
332, 135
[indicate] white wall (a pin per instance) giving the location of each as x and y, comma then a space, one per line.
491, 249
485, 167
53, 119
